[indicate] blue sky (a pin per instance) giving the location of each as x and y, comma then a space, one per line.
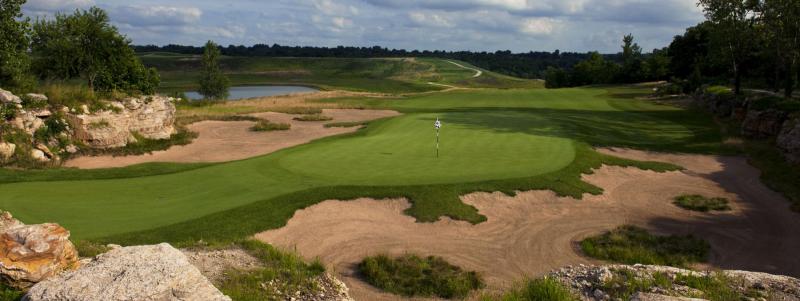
481, 25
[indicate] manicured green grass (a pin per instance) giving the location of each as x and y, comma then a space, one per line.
283, 274
696, 202
411, 275
543, 289
491, 140
632, 245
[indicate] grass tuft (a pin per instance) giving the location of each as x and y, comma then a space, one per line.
313, 117
345, 124
696, 202
544, 289
268, 126
632, 245
412, 275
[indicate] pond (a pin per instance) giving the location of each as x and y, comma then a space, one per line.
257, 91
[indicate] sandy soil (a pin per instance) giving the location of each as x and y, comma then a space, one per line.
536, 231
221, 141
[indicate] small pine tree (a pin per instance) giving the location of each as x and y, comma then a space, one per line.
213, 83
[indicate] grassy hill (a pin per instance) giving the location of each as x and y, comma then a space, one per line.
492, 140
391, 75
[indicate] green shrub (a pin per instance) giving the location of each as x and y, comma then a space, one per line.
7, 111
10, 294
313, 117
632, 245
267, 126
412, 275
700, 203
544, 289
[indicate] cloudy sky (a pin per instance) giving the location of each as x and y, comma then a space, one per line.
516, 25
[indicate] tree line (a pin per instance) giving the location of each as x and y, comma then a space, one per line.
741, 42
525, 65
81, 45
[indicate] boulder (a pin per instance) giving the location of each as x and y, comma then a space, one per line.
656, 297
45, 150
152, 117
39, 155
27, 121
763, 124
32, 253
144, 273
7, 150
8, 97
36, 97
789, 140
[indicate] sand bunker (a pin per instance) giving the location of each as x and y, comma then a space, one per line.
221, 141
536, 231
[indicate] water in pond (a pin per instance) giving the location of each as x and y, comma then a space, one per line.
256, 91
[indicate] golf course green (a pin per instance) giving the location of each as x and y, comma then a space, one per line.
491, 139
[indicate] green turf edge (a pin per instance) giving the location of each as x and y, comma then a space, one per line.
8, 176
428, 202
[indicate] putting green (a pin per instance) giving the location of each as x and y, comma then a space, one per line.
487, 135
401, 151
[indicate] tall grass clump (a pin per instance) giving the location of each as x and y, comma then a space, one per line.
544, 289
411, 275
268, 126
696, 202
313, 117
282, 274
632, 245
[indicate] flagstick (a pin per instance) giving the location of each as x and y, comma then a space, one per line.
437, 143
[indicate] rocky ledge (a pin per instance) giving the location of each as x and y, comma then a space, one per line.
656, 283
152, 117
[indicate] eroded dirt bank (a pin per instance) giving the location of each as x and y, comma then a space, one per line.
536, 231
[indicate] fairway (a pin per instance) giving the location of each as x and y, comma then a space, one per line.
532, 138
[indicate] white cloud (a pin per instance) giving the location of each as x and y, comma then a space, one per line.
430, 19
538, 26
40, 7
155, 15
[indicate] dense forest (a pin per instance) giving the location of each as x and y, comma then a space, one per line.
525, 65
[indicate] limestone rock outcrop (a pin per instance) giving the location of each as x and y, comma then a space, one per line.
8, 97
7, 150
763, 124
27, 121
789, 140
144, 273
152, 117
31, 253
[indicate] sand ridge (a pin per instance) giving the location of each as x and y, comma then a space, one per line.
221, 141
536, 231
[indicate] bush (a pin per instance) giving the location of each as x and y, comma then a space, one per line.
719, 90
10, 294
545, 289
267, 126
313, 117
411, 275
632, 245
7, 111
700, 203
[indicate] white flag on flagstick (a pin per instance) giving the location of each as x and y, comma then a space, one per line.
438, 124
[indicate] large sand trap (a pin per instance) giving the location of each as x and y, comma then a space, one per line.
536, 231
221, 141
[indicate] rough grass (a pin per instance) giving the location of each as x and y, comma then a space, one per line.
411, 275
543, 289
313, 117
714, 287
701, 203
345, 124
268, 126
633, 245
283, 274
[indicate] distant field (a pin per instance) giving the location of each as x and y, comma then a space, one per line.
181, 72
492, 139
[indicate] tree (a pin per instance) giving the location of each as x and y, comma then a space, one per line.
733, 32
595, 70
631, 60
656, 66
86, 45
14, 42
782, 25
556, 78
213, 83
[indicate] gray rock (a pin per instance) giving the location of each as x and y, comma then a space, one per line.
789, 140
39, 155
763, 124
8, 97
36, 97
152, 119
655, 297
143, 273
